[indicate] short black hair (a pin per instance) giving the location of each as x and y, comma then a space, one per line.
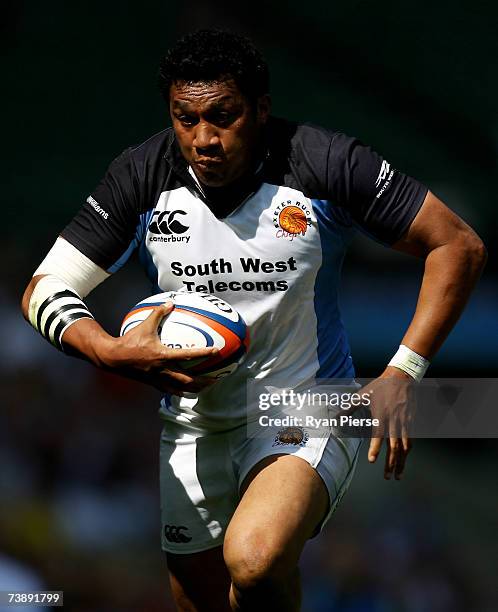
212, 56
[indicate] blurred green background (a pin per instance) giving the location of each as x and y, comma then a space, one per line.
78, 465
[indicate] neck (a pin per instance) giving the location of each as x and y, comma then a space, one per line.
224, 200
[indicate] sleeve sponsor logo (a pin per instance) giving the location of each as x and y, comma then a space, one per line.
386, 175
384, 171
96, 206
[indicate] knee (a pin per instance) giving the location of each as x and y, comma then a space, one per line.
254, 563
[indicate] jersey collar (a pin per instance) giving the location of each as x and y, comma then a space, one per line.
221, 200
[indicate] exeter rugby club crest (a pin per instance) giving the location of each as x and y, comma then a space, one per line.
295, 436
291, 219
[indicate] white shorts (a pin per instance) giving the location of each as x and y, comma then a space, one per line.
201, 475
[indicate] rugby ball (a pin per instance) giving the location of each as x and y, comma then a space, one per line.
198, 320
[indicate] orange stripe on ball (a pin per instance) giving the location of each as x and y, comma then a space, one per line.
232, 341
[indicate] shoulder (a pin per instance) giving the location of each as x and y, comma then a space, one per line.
300, 154
288, 137
142, 170
151, 152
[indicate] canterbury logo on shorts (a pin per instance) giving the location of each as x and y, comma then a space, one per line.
174, 533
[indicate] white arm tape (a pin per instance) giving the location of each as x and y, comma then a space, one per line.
72, 267
53, 307
410, 362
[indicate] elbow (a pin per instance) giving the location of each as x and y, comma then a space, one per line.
27, 296
25, 301
475, 253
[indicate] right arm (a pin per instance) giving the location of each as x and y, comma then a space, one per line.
138, 355
94, 245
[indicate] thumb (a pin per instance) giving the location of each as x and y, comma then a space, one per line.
158, 313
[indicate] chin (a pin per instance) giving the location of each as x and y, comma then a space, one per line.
213, 180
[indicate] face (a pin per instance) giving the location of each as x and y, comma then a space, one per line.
218, 130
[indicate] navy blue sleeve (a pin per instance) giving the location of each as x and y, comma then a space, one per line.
104, 228
381, 200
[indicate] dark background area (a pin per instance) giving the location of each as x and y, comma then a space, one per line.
78, 464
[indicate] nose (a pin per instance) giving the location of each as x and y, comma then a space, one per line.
206, 136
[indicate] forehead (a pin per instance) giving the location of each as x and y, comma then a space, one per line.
204, 94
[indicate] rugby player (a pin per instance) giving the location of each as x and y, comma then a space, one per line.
259, 211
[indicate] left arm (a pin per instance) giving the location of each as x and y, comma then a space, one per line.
454, 259
397, 210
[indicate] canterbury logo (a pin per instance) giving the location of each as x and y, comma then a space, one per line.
166, 222
384, 171
173, 533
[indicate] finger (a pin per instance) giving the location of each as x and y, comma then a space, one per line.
177, 378
379, 430
198, 385
374, 449
400, 463
395, 427
158, 313
189, 383
406, 443
167, 380
393, 448
166, 383
188, 354
203, 380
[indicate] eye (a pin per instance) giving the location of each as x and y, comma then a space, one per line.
222, 118
186, 120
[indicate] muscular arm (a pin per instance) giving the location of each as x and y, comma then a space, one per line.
454, 259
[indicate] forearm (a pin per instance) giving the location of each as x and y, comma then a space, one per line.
85, 338
88, 340
53, 304
451, 272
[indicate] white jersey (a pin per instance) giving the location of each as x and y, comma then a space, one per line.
272, 246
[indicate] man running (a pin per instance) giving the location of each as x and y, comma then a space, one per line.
258, 211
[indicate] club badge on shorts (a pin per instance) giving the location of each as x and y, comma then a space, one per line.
294, 436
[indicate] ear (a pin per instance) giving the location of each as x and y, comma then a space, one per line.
263, 108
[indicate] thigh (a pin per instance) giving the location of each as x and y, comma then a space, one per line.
199, 582
284, 499
331, 462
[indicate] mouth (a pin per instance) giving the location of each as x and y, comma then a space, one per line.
212, 162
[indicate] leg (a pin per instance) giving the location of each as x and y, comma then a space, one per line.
200, 581
284, 499
199, 494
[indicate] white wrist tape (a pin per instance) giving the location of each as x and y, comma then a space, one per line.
53, 307
72, 267
410, 362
